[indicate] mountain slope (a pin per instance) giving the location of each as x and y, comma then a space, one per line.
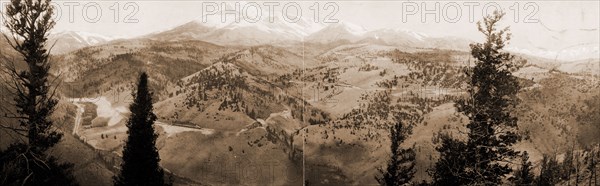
587, 66
349, 32
227, 90
68, 41
268, 30
113, 67
338, 31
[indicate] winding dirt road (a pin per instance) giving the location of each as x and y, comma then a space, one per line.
78, 117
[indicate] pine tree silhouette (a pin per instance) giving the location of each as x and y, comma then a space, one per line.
140, 157
27, 162
34, 97
492, 97
400, 167
549, 171
524, 176
447, 170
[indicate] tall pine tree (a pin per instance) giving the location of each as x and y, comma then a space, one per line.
29, 23
567, 165
524, 176
140, 157
27, 162
492, 97
549, 171
400, 167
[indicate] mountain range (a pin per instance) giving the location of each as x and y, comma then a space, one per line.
67, 41
279, 32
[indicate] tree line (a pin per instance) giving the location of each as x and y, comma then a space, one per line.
486, 157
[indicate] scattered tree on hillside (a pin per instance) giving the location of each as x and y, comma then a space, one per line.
524, 176
400, 167
492, 96
140, 157
592, 167
26, 162
577, 169
550, 171
567, 166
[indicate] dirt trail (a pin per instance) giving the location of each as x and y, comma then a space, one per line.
78, 117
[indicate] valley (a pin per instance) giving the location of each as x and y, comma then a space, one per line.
259, 113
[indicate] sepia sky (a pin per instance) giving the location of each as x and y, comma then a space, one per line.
543, 25
163, 14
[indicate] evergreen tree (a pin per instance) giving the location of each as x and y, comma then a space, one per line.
140, 157
567, 166
577, 169
252, 114
26, 162
524, 176
492, 96
30, 22
400, 167
447, 170
593, 161
549, 172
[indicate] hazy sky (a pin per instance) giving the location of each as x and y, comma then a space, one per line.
163, 14
550, 25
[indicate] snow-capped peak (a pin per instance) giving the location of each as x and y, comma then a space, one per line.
389, 33
214, 21
416, 35
67, 41
569, 54
86, 38
276, 24
338, 31
349, 27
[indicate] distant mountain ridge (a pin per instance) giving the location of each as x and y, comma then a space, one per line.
277, 31
265, 31
67, 41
